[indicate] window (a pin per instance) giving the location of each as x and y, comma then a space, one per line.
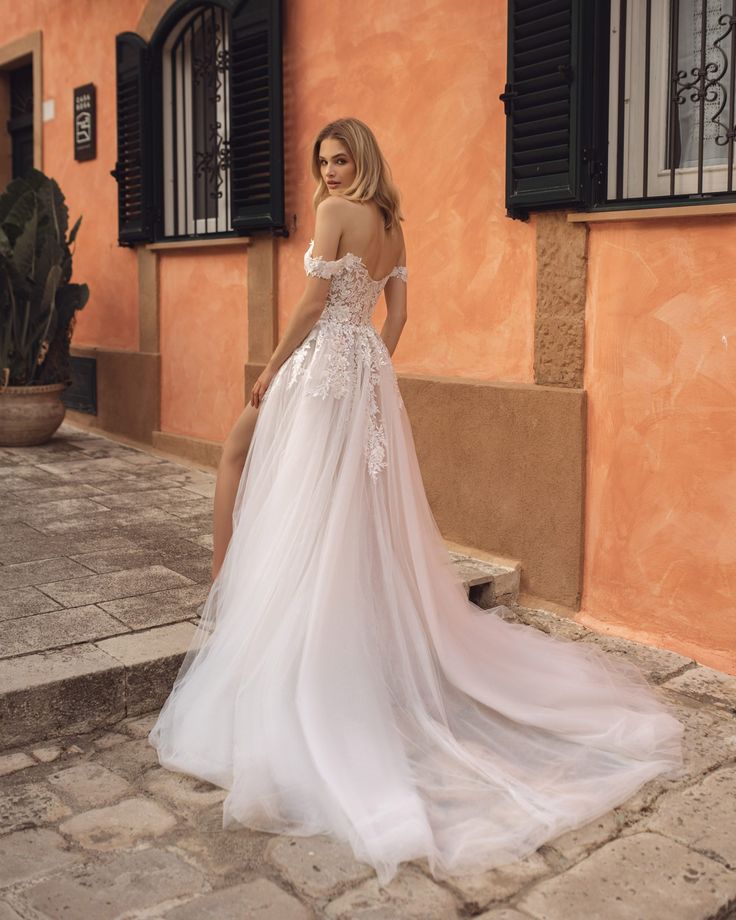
196, 93
200, 124
619, 103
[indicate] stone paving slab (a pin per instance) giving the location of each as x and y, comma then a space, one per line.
77, 813
56, 629
103, 541
91, 826
658, 664
708, 685
90, 589
21, 602
645, 875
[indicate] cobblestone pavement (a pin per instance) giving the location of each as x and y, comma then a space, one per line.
92, 828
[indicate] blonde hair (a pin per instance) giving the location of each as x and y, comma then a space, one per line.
372, 176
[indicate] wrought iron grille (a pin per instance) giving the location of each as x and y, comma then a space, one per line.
197, 171
671, 99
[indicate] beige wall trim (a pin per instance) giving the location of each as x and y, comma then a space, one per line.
14, 54
503, 465
201, 452
149, 338
674, 211
219, 242
128, 392
150, 17
262, 299
559, 324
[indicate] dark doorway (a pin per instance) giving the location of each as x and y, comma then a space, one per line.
20, 123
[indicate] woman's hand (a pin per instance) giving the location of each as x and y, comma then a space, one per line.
261, 385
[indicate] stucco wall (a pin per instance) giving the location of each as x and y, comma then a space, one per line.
659, 506
471, 269
660, 547
79, 47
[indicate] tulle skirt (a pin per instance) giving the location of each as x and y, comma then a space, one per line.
341, 682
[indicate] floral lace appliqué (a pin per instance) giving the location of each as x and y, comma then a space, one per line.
345, 334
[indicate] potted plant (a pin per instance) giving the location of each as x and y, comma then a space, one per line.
37, 308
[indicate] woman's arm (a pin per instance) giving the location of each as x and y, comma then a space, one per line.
395, 293
327, 233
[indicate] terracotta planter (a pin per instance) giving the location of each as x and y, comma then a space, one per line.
30, 415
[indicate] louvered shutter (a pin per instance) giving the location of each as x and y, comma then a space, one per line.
256, 119
543, 102
133, 169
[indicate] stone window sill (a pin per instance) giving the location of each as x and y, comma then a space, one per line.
223, 241
689, 210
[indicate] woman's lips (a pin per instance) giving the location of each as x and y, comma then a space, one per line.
333, 184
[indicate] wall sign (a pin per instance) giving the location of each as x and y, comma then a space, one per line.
85, 122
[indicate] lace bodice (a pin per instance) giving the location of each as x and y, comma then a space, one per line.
353, 294
354, 351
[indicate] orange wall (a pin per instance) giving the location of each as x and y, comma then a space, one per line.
78, 46
472, 282
204, 341
660, 543
660, 549
472, 270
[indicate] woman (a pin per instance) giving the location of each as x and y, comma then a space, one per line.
340, 680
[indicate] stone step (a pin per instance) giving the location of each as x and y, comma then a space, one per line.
488, 583
79, 687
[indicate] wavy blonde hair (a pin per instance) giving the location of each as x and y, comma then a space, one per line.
372, 177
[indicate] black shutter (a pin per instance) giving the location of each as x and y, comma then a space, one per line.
544, 105
133, 170
256, 119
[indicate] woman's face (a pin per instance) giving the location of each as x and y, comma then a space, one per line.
336, 165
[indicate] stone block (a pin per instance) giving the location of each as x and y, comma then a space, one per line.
503, 913
560, 627
88, 785
119, 826
150, 497
573, 845
66, 691
658, 664
47, 753
130, 759
28, 805
22, 602
11, 763
117, 884
23, 574
259, 899
481, 889
152, 660
706, 684
157, 608
61, 510
58, 628
184, 792
317, 866
39, 495
703, 816
140, 726
410, 895
34, 852
643, 875
90, 589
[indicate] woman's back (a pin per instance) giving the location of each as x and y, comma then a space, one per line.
364, 236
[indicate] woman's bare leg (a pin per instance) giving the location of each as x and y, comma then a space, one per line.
229, 471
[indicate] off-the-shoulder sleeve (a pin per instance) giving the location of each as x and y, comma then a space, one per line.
400, 271
318, 266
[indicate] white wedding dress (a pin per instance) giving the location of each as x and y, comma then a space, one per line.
341, 682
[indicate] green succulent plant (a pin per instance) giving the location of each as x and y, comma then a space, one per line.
37, 300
